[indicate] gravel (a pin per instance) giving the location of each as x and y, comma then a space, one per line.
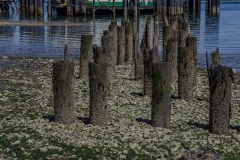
26, 103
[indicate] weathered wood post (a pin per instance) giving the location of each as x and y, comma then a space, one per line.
220, 99
64, 91
215, 57
135, 9
184, 32
170, 50
121, 45
148, 61
145, 42
85, 55
49, 8
113, 29
156, 37
108, 48
83, 7
40, 8
69, 8
128, 42
31, 8
22, 5
185, 73
99, 56
125, 9
98, 84
35, 7
192, 41
164, 6
76, 7
27, 6
158, 7
161, 106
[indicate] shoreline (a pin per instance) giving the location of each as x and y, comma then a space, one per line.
27, 129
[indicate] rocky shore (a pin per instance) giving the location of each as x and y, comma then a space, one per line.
27, 130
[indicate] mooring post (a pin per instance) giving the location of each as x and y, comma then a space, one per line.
215, 57
49, 8
147, 59
164, 6
35, 7
172, 7
69, 8
31, 8
125, 9
83, 7
113, 28
156, 37
185, 73
161, 106
121, 45
27, 6
135, 9
220, 81
114, 10
170, 50
64, 91
40, 8
85, 55
108, 48
192, 41
128, 42
22, 5
93, 10
98, 84
76, 7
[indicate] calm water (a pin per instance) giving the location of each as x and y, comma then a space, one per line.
222, 30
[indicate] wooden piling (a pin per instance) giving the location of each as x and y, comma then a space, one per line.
158, 7
185, 73
121, 45
98, 55
49, 8
125, 9
69, 8
128, 42
64, 91
85, 55
113, 29
35, 7
170, 50
215, 57
220, 99
76, 7
27, 6
145, 42
108, 49
161, 106
156, 37
83, 7
192, 41
22, 5
31, 8
40, 8
98, 84
164, 7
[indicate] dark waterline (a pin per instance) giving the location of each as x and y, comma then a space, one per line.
212, 31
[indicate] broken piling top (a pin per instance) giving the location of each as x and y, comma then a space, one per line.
215, 57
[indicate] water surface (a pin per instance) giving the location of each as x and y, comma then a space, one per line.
216, 30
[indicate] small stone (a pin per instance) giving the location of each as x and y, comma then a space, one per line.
16, 142
8, 150
122, 156
43, 149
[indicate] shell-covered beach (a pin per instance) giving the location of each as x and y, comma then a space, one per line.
27, 129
